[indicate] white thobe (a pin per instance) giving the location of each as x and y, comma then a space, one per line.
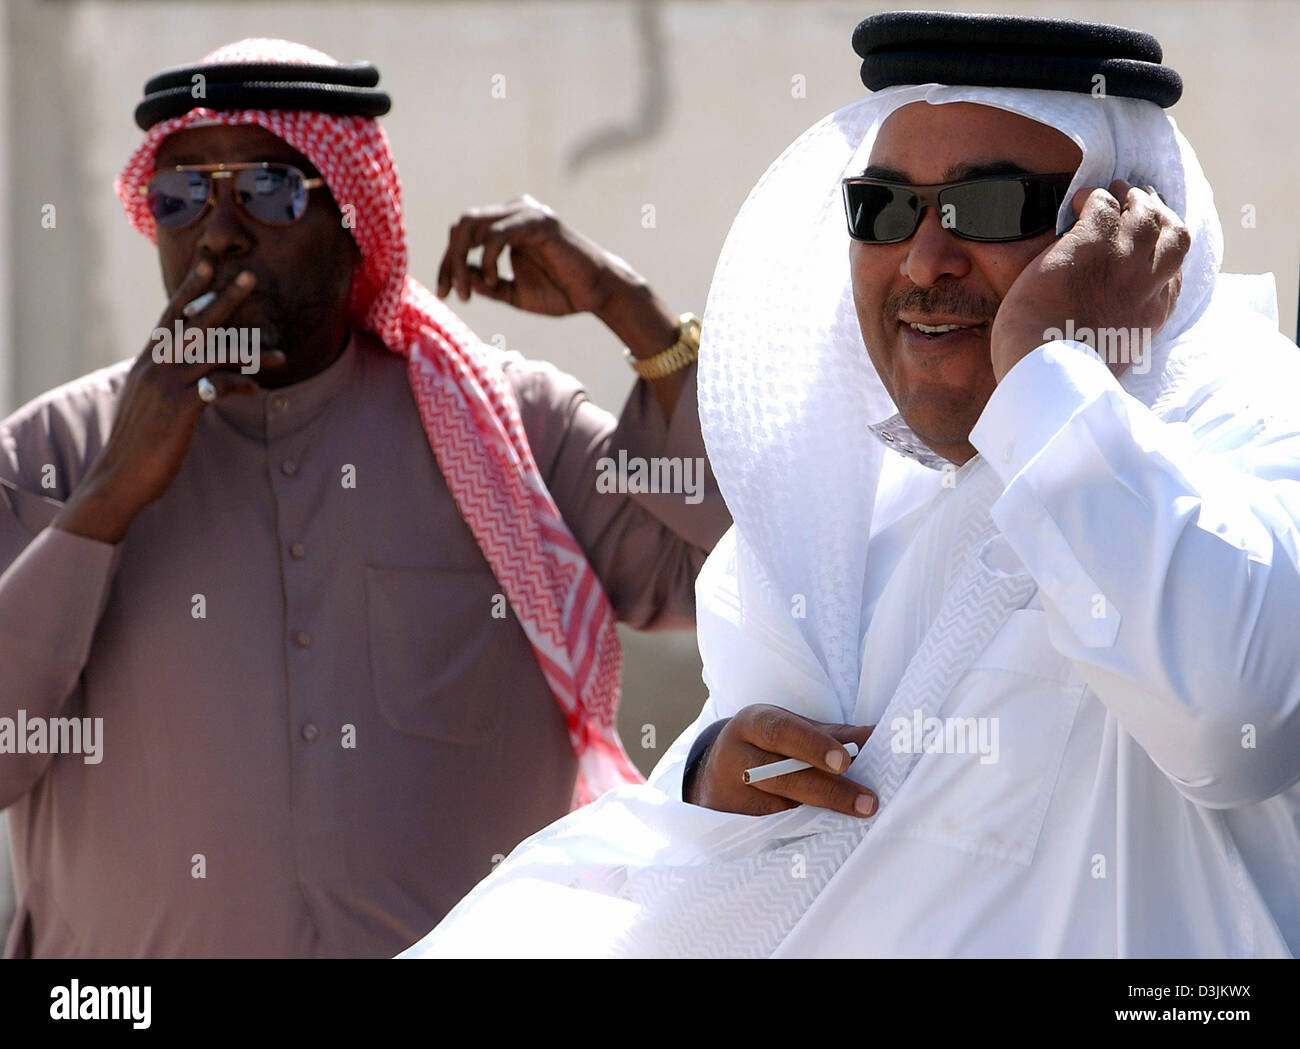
1144, 800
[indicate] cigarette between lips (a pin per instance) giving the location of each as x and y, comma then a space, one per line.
201, 303
784, 768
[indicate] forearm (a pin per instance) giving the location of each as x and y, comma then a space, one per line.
51, 598
663, 465
636, 492
645, 325
655, 516
1170, 576
695, 759
647, 570
675, 770
96, 511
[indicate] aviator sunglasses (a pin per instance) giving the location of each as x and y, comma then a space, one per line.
995, 208
272, 193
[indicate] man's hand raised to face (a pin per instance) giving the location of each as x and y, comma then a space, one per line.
1119, 267
761, 734
156, 416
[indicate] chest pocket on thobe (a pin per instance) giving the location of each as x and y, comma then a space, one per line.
441, 664
1023, 696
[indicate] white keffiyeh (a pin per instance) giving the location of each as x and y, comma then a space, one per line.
792, 412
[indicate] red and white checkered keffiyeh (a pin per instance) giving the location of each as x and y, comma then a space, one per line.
466, 404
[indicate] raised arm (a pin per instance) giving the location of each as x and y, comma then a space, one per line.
637, 492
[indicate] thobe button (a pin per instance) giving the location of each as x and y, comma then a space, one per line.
297, 551
279, 402
310, 732
1009, 452
289, 468
302, 639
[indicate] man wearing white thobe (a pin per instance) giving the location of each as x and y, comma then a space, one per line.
1052, 594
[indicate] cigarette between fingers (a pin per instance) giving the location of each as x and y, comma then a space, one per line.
201, 303
785, 767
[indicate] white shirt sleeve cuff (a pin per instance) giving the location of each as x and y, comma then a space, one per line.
1035, 400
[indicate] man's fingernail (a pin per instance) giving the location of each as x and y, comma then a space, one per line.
203, 269
245, 279
835, 759
865, 805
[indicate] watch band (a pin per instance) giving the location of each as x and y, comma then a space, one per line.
681, 353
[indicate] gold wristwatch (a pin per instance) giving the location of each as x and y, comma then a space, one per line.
676, 357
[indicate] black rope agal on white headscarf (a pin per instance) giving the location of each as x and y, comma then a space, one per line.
940, 47
347, 89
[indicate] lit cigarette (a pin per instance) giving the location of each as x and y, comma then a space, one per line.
201, 303
784, 768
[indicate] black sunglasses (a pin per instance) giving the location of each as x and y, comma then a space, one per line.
996, 208
272, 193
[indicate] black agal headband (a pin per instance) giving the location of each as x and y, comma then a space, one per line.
924, 47
342, 90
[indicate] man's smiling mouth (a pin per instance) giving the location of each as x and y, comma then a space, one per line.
937, 327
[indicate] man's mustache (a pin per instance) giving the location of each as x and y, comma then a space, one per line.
944, 299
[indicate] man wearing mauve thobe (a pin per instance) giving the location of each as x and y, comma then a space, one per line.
341, 628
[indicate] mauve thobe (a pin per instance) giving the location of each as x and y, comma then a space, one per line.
263, 615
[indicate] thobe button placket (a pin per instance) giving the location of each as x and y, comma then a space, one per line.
298, 422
